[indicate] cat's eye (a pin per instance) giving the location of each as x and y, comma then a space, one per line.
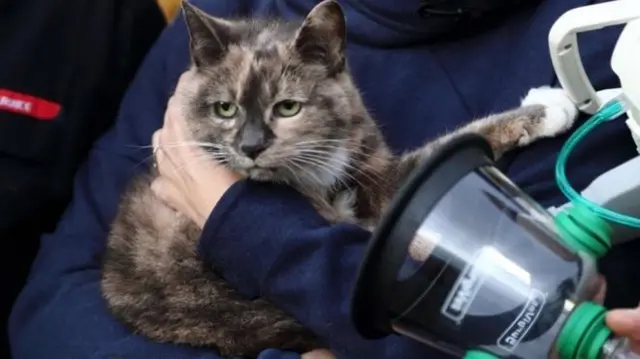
225, 110
287, 108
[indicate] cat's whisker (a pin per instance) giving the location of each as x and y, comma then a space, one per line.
324, 162
314, 176
202, 158
308, 162
349, 165
175, 145
143, 161
343, 142
192, 144
305, 163
324, 154
294, 175
327, 150
182, 144
336, 172
304, 185
333, 148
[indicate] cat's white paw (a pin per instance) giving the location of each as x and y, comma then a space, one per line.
561, 112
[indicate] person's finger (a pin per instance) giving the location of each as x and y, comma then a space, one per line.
156, 145
318, 354
172, 112
174, 126
173, 102
170, 156
170, 145
165, 137
183, 77
625, 322
168, 124
175, 120
165, 190
155, 140
599, 298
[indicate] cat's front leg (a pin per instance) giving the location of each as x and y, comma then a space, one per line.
559, 113
544, 112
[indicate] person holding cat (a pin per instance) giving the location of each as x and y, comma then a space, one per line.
188, 192
419, 75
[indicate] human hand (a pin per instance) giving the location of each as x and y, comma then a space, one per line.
600, 296
626, 323
189, 180
318, 354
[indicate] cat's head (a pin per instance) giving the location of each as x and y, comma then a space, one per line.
274, 99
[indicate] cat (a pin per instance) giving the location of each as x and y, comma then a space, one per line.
274, 101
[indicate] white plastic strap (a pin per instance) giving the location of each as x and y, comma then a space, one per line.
563, 46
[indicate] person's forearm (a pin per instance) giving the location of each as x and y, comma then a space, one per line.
267, 240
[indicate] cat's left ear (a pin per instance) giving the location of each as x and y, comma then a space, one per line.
322, 36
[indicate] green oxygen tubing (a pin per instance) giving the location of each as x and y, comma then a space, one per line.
610, 111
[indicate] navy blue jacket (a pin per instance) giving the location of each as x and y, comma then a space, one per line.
291, 255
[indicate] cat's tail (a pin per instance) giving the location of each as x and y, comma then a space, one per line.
154, 283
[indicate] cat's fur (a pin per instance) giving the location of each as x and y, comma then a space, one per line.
332, 152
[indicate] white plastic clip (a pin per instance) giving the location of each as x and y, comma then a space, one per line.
563, 46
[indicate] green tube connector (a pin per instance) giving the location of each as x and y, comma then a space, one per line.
479, 354
583, 230
585, 333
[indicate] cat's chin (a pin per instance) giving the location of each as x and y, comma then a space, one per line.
260, 174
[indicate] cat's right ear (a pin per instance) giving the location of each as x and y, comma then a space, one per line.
208, 36
322, 36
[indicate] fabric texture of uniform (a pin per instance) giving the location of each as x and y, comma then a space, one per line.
64, 67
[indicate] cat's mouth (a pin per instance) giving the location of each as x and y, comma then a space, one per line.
251, 169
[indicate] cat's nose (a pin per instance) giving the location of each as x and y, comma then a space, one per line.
253, 150
254, 138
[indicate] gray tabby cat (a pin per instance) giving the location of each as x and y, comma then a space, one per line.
274, 101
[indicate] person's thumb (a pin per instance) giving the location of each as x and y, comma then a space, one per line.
625, 322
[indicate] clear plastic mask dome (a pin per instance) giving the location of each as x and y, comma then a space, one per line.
486, 269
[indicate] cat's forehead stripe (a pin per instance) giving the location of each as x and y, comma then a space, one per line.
250, 98
260, 76
244, 71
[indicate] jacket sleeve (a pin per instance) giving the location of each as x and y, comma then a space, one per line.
268, 240
60, 313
